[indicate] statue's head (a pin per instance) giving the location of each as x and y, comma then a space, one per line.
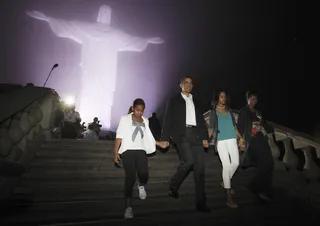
104, 15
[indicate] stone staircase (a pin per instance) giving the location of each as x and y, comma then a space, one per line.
74, 182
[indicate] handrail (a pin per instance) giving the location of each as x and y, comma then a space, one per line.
290, 133
17, 100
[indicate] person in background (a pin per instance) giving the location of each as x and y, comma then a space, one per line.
71, 115
96, 127
90, 134
71, 123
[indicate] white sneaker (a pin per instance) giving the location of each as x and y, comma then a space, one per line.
128, 214
142, 192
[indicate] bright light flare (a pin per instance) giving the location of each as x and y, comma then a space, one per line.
70, 100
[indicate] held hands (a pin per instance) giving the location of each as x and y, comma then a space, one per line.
163, 144
242, 144
205, 143
37, 15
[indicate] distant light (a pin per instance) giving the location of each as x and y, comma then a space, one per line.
70, 100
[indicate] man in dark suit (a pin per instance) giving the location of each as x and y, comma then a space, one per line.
184, 123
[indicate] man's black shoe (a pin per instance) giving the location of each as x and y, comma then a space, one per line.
174, 194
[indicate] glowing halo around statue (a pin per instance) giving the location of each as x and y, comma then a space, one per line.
100, 46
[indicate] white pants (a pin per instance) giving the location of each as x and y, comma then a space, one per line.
229, 156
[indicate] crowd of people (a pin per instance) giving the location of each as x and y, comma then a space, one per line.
184, 125
68, 124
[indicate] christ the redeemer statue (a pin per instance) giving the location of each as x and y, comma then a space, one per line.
100, 45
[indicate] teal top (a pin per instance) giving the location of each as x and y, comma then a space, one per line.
225, 127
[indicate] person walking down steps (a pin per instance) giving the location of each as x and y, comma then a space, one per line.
134, 141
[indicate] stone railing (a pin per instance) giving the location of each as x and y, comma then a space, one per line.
293, 152
25, 121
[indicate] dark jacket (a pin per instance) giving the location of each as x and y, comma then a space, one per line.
213, 123
174, 124
244, 124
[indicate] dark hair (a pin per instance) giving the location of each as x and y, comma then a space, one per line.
130, 110
215, 99
90, 127
184, 78
137, 102
251, 93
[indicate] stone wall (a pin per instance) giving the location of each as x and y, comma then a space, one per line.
22, 133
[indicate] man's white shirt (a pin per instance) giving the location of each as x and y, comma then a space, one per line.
190, 110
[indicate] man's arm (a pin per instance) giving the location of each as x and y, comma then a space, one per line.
167, 122
205, 129
212, 128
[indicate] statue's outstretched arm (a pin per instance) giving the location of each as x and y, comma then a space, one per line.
37, 15
61, 28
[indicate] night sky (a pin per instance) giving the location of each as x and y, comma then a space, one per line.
235, 45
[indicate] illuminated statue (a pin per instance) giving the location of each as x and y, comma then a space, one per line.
100, 45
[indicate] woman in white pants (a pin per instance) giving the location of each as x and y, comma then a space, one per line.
223, 127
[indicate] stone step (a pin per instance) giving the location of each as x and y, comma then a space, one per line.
58, 162
77, 141
87, 181
78, 145
54, 165
83, 148
153, 190
55, 212
73, 149
160, 211
35, 189
114, 173
106, 154
42, 162
84, 159
250, 214
240, 176
189, 217
167, 218
221, 216
100, 181
102, 168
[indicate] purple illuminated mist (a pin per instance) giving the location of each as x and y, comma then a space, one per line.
234, 45
100, 64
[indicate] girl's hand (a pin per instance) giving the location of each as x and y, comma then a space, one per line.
242, 144
116, 158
